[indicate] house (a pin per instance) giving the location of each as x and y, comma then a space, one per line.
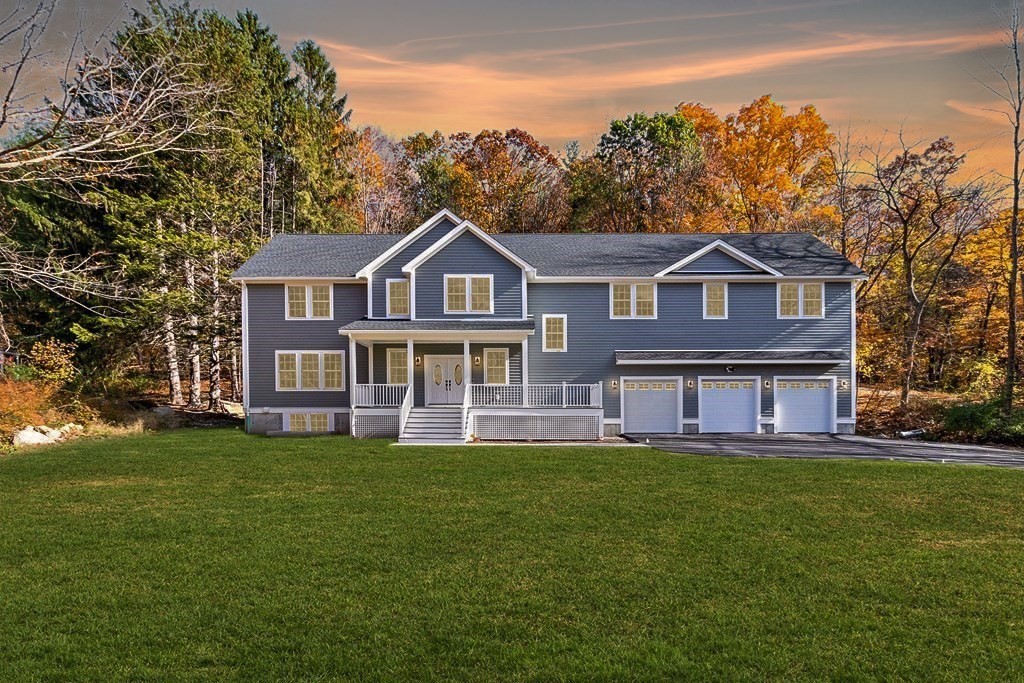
449, 333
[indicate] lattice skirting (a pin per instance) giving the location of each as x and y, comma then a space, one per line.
376, 426
511, 427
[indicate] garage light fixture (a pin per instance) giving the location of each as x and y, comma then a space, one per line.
844, 384
767, 384
689, 384
615, 384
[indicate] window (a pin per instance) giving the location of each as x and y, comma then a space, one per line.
716, 297
801, 300
468, 294
554, 333
398, 366
634, 300
309, 302
495, 366
310, 370
398, 298
309, 422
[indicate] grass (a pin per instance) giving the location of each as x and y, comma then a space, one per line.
210, 554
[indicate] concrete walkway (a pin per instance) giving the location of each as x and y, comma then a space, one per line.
831, 446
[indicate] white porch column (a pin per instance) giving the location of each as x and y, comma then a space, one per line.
369, 361
467, 363
526, 360
409, 362
351, 369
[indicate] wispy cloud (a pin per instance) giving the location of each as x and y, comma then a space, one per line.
694, 16
988, 111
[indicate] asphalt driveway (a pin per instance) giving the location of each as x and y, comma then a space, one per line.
831, 446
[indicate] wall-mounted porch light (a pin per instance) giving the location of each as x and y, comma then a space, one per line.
476, 361
615, 384
419, 361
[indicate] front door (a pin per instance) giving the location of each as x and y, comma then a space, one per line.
445, 378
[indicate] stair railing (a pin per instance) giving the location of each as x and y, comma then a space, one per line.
467, 401
403, 414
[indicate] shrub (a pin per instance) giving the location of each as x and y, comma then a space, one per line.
23, 404
53, 362
985, 422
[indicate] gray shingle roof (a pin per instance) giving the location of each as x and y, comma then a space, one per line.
315, 255
596, 255
753, 356
367, 324
564, 255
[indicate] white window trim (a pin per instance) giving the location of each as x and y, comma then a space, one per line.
800, 301
544, 332
725, 287
287, 420
309, 300
389, 363
488, 352
298, 370
632, 301
469, 293
387, 298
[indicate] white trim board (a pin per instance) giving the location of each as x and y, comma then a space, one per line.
458, 231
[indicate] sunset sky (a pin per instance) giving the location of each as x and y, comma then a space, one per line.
562, 69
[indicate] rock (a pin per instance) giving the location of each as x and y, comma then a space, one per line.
164, 412
235, 409
71, 427
30, 437
50, 432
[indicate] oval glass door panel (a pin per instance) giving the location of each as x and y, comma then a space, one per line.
458, 375
438, 374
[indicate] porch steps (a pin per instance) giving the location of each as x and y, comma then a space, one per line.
433, 425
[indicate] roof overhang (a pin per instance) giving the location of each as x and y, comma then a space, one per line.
294, 280
401, 244
455, 233
728, 249
732, 357
438, 335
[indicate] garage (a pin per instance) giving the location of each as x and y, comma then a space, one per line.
804, 405
727, 405
651, 405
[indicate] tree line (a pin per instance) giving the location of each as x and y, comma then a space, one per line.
188, 138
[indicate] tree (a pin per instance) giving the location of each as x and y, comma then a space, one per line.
928, 214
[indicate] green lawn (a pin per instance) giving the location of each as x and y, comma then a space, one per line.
210, 554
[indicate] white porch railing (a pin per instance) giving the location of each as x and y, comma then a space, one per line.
562, 395
379, 395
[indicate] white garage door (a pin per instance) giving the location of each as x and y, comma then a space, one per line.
650, 406
728, 405
803, 405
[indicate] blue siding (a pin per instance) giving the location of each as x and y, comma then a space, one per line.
270, 332
716, 261
392, 268
593, 338
468, 255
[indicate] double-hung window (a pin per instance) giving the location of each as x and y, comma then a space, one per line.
633, 300
310, 370
468, 294
716, 300
398, 366
495, 366
398, 298
308, 302
554, 333
801, 300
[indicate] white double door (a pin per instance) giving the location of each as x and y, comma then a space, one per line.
445, 379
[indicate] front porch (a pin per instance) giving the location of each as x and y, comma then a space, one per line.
429, 388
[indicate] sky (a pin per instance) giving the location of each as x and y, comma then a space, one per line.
563, 69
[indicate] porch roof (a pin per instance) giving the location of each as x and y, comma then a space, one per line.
731, 356
378, 325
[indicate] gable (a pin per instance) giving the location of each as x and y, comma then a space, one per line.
718, 262
483, 244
